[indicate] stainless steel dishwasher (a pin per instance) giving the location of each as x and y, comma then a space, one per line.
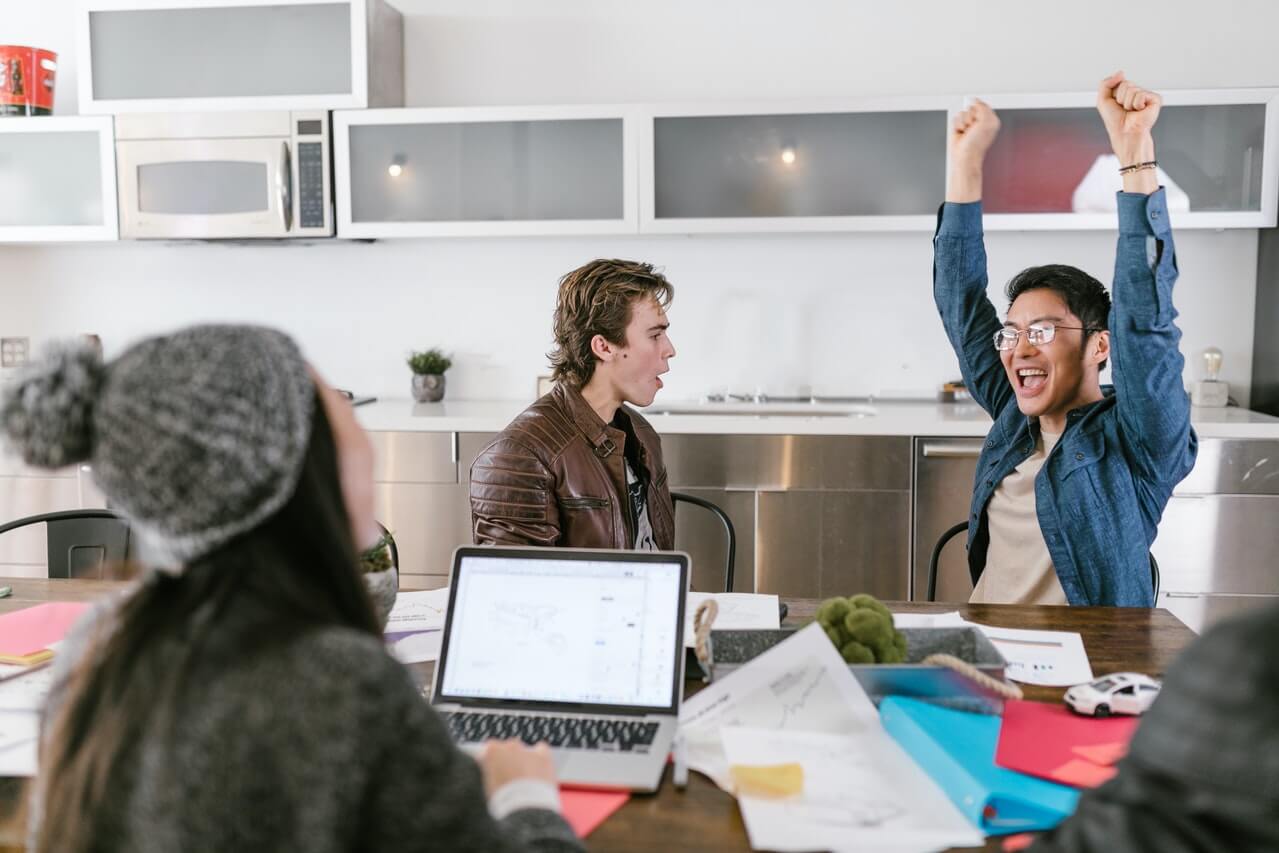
942, 489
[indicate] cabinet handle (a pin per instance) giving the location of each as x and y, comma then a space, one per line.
952, 449
455, 453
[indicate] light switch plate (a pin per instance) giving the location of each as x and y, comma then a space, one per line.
14, 351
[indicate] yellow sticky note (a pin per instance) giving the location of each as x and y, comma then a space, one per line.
767, 780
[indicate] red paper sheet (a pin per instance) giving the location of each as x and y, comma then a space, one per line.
1055, 743
585, 810
25, 631
1083, 774
1104, 754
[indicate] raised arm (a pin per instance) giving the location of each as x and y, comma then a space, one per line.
959, 261
1147, 364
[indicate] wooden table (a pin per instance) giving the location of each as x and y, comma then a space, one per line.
704, 818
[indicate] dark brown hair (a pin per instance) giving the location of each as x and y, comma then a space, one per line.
597, 299
299, 567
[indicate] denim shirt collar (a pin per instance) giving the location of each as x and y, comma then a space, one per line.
1082, 415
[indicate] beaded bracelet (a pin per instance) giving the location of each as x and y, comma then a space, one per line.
1137, 167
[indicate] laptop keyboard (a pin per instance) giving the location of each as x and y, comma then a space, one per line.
616, 735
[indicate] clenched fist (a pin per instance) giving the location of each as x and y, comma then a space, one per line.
971, 135
1129, 113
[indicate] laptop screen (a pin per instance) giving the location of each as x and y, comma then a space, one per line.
562, 627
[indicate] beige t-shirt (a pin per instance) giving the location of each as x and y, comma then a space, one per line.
1019, 569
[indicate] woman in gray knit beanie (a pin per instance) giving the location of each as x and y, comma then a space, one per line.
243, 700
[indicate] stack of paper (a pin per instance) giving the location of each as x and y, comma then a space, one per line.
798, 703
28, 639
416, 625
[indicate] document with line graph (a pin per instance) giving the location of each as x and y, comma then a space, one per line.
420, 610
801, 684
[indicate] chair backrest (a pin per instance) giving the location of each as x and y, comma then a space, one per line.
730, 532
82, 542
962, 527
950, 533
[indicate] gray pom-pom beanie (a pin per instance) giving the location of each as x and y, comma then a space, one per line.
195, 437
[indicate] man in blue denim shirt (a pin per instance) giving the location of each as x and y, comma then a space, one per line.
1074, 476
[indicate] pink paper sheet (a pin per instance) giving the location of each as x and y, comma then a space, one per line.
585, 810
23, 632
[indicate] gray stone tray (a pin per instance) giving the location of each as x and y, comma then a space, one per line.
731, 649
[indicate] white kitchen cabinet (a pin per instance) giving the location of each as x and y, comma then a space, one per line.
871, 164
57, 179
496, 171
203, 55
1052, 168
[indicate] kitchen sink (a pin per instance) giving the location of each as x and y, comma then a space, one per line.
764, 410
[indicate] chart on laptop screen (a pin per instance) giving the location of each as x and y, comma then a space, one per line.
564, 631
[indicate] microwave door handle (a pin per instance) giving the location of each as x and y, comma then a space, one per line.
285, 182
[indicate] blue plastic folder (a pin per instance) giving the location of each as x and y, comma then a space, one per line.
957, 749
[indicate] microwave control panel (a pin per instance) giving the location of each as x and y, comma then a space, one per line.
311, 184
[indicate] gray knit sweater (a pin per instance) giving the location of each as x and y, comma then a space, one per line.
319, 743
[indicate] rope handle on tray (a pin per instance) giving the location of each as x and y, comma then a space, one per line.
703, 619
1006, 689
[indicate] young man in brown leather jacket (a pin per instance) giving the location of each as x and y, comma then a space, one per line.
579, 468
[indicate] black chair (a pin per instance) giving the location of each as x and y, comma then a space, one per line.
962, 527
729, 531
81, 541
950, 534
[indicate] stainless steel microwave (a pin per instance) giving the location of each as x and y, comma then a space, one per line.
224, 175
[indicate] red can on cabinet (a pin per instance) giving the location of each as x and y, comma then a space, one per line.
27, 76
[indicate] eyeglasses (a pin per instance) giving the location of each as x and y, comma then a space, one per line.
1037, 334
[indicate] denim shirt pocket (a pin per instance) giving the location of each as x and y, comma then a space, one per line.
1082, 492
1081, 452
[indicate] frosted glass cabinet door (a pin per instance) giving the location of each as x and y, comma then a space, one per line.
406, 173
190, 55
57, 179
783, 172
1057, 160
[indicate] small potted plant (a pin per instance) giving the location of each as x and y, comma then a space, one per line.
381, 576
428, 374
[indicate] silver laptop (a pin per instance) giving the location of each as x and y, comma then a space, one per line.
582, 649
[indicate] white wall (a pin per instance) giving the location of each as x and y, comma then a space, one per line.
842, 313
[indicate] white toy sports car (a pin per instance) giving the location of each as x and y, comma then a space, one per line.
1117, 693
